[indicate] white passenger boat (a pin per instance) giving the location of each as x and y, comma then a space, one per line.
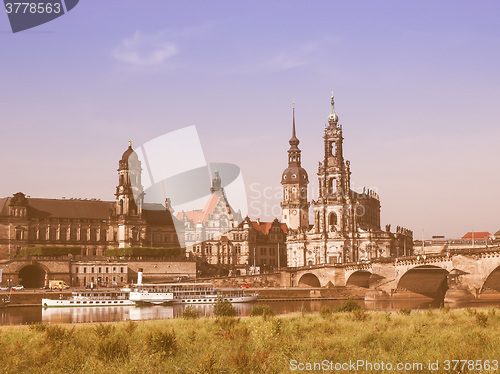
206, 293
155, 294
186, 293
90, 298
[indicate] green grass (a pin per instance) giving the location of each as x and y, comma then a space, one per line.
252, 345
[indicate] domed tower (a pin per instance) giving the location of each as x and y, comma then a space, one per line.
129, 192
295, 180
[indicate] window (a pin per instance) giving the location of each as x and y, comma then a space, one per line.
93, 235
76, 270
107, 269
104, 233
92, 272
99, 270
72, 234
121, 270
84, 270
83, 235
19, 234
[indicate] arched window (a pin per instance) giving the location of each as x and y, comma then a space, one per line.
73, 234
104, 234
332, 186
52, 233
332, 219
63, 235
83, 235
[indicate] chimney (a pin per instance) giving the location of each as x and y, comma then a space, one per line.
139, 276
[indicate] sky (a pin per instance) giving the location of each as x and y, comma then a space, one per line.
416, 87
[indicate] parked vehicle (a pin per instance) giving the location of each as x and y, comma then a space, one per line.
4, 288
58, 285
19, 287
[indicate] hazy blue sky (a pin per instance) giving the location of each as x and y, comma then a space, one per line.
417, 86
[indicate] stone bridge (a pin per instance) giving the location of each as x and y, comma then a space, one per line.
475, 272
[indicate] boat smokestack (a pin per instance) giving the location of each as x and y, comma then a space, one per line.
139, 276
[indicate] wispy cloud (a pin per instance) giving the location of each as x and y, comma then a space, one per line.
145, 50
292, 58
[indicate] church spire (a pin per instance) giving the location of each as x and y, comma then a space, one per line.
333, 119
294, 141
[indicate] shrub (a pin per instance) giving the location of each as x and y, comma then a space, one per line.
360, 315
130, 327
471, 312
102, 330
143, 252
481, 319
405, 311
325, 312
388, 316
190, 312
348, 305
241, 361
50, 251
208, 364
261, 310
223, 308
303, 310
56, 333
38, 327
113, 347
277, 326
164, 343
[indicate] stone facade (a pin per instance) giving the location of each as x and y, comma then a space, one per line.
93, 225
346, 225
217, 235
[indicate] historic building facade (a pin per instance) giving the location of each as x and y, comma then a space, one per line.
218, 236
346, 225
92, 224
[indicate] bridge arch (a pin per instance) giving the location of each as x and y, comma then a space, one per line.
426, 280
492, 282
309, 280
32, 276
360, 278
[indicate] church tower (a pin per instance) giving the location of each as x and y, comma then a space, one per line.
294, 180
129, 199
334, 205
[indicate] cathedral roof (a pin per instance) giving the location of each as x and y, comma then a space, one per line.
63, 208
209, 209
264, 227
156, 214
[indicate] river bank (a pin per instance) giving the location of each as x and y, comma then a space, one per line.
34, 297
257, 345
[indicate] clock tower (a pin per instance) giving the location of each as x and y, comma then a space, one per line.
294, 181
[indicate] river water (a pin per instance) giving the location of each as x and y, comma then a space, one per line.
28, 315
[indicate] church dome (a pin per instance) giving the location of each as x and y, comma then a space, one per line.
294, 174
129, 153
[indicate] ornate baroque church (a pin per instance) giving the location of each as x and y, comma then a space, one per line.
346, 225
94, 225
